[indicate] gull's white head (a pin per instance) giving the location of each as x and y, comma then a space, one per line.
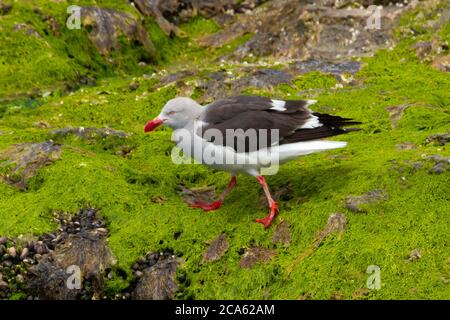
176, 113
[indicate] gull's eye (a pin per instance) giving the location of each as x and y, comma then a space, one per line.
171, 113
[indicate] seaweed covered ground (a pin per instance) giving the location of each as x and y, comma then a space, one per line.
72, 143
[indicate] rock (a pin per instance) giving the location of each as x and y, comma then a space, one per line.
3, 240
158, 281
47, 280
24, 253
108, 24
2, 250
3, 285
24, 160
415, 255
216, 249
436, 158
5, 8
263, 79
133, 86
336, 223
206, 193
423, 49
175, 77
139, 274
300, 30
40, 248
360, 294
396, 113
77, 243
405, 146
166, 11
334, 68
439, 139
89, 133
19, 278
102, 231
29, 30
41, 125
152, 8
355, 203
442, 63
254, 254
439, 168
282, 233
12, 252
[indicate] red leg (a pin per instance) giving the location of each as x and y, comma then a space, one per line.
216, 204
272, 204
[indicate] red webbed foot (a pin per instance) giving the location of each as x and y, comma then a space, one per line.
267, 221
205, 205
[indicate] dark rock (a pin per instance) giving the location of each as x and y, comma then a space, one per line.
440, 139
355, 203
3, 240
153, 9
158, 281
282, 233
47, 280
174, 77
301, 29
263, 78
324, 66
108, 24
216, 249
40, 248
2, 249
169, 12
253, 255
24, 160
438, 158
84, 247
439, 168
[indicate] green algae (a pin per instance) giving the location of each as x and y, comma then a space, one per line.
416, 214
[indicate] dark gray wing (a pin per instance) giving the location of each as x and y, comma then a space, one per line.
249, 123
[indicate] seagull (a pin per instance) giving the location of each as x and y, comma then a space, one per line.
250, 135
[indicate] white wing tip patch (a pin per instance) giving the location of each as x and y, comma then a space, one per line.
312, 123
278, 105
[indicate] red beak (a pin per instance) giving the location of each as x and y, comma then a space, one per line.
153, 124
